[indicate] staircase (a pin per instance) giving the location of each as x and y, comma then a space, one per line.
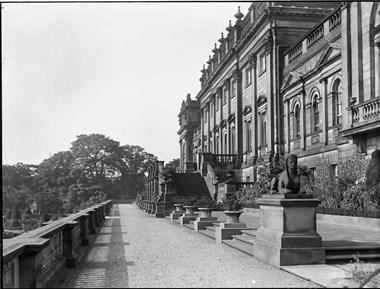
190, 184
343, 251
336, 252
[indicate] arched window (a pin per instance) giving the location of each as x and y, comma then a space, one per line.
337, 102
297, 121
315, 113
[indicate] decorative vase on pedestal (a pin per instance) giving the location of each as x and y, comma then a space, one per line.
233, 216
189, 209
205, 212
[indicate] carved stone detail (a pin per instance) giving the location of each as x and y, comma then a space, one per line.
269, 43
252, 60
236, 73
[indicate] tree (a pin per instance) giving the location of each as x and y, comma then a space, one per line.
17, 182
96, 157
173, 165
135, 162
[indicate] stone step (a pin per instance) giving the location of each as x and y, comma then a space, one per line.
241, 246
251, 232
190, 226
210, 228
243, 238
347, 258
345, 252
208, 233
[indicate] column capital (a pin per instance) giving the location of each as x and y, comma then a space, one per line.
252, 60
269, 42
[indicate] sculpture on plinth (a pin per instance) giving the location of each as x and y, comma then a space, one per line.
288, 182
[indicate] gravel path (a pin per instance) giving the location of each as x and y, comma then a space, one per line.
134, 249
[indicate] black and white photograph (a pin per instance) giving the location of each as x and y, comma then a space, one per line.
190, 144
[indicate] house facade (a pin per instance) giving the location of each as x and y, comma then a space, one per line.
300, 77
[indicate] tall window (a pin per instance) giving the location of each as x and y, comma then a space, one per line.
315, 113
233, 87
216, 143
337, 102
248, 134
248, 74
212, 109
263, 129
232, 140
297, 121
217, 102
262, 63
225, 143
225, 94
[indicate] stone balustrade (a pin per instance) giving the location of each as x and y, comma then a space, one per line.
320, 31
37, 258
367, 111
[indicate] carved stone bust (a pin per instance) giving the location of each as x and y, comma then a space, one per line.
288, 182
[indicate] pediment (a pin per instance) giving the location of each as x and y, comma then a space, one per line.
261, 99
287, 81
328, 54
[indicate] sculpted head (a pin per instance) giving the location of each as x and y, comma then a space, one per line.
291, 162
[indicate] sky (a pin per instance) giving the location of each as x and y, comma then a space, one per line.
118, 69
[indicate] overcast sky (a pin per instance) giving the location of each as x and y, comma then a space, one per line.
118, 69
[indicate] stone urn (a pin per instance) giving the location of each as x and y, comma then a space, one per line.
189, 209
179, 208
205, 212
233, 216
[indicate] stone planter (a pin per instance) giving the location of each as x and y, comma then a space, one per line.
205, 212
233, 216
179, 208
179, 211
189, 209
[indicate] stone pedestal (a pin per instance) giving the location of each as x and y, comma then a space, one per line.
186, 218
160, 210
202, 222
225, 231
179, 211
288, 232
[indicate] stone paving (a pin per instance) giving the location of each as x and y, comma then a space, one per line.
133, 249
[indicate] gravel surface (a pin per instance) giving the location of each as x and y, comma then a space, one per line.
133, 249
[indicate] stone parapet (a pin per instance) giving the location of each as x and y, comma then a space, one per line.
32, 259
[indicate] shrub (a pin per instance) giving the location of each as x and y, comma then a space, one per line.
186, 200
205, 202
231, 203
15, 223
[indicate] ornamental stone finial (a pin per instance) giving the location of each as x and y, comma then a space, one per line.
229, 27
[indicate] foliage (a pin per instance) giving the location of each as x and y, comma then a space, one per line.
94, 169
173, 166
185, 200
373, 170
363, 274
16, 214
205, 201
265, 173
231, 203
8, 214
248, 197
17, 181
348, 190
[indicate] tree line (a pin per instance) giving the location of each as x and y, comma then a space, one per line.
95, 168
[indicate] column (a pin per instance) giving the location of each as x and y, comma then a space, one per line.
324, 120
253, 63
271, 100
